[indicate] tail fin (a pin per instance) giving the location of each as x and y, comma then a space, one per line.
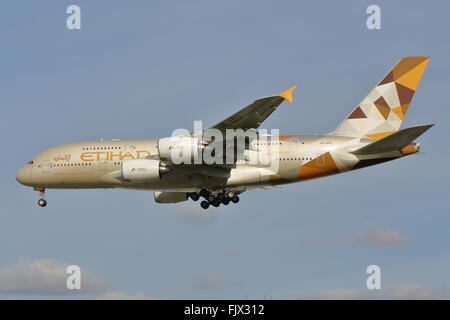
382, 111
394, 142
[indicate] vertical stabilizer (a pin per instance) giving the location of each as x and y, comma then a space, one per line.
382, 111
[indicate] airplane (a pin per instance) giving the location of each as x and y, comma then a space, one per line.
369, 135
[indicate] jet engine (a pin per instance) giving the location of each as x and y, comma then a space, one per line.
179, 149
141, 170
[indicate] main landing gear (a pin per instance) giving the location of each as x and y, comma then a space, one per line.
214, 199
42, 202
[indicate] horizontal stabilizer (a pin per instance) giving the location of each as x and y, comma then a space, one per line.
393, 142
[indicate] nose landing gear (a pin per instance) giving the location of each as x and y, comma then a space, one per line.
42, 202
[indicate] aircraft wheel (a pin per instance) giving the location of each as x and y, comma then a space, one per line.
226, 201
204, 193
216, 203
235, 199
221, 196
204, 204
194, 196
211, 198
42, 202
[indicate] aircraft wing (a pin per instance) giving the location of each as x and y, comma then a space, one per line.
254, 114
249, 117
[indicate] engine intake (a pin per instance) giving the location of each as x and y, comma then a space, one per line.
142, 170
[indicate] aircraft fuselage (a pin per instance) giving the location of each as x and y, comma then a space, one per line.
97, 164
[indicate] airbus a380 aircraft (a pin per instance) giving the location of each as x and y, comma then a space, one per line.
369, 135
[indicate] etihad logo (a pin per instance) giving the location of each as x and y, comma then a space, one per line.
64, 157
111, 155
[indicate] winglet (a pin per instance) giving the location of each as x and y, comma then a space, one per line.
288, 93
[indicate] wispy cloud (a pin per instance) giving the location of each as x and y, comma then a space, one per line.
373, 234
209, 280
409, 291
380, 236
120, 295
44, 276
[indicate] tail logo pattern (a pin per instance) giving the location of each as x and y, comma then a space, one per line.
382, 111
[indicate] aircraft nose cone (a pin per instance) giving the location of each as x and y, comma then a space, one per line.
23, 176
20, 176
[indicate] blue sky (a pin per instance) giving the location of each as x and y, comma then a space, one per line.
141, 70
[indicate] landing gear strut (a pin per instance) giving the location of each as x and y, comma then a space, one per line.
42, 202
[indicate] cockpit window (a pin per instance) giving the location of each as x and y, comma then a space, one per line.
30, 162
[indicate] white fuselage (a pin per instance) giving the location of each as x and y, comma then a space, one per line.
97, 164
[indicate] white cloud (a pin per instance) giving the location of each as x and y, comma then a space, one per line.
208, 280
378, 235
339, 294
44, 276
119, 295
408, 291
416, 291
373, 235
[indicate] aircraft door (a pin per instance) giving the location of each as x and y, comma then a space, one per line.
320, 159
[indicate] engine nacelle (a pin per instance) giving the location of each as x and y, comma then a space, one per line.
141, 170
170, 197
179, 149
